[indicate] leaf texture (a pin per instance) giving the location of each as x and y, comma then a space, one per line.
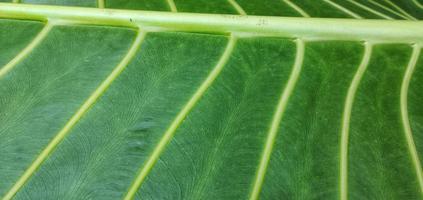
126, 104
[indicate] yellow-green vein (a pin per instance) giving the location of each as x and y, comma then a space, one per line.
296, 8
392, 11
76, 117
387, 31
418, 4
399, 9
343, 9
369, 9
168, 135
404, 114
172, 5
277, 117
100, 4
237, 7
28, 49
346, 120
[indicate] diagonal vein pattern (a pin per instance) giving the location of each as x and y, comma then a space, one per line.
369, 9
400, 9
390, 10
277, 117
121, 17
75, 118
168, 135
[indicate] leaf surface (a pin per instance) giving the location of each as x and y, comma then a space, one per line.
127, 104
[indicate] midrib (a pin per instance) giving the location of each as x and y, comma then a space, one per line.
384, 31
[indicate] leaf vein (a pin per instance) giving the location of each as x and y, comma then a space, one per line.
343, 9
100, 3
346, 120
404, 114
277, 118
172, 5
399, 9
296, 8
237, 7
392, 11
168, 135
370, 9
75, 118
27, 50
386, 31
418, 4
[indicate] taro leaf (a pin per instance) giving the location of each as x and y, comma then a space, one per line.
119, 104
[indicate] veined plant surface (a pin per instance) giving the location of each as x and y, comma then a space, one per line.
217, 99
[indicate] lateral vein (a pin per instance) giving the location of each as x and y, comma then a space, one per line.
100, 4
390, 10
343, 9
172, 5
399, 9
237, 7
296, 8
76, 117
277, 118
168, 135
370, 9
404, 114
418, 4
28, 49
346, 120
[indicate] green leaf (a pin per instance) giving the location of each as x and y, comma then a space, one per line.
197, 102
